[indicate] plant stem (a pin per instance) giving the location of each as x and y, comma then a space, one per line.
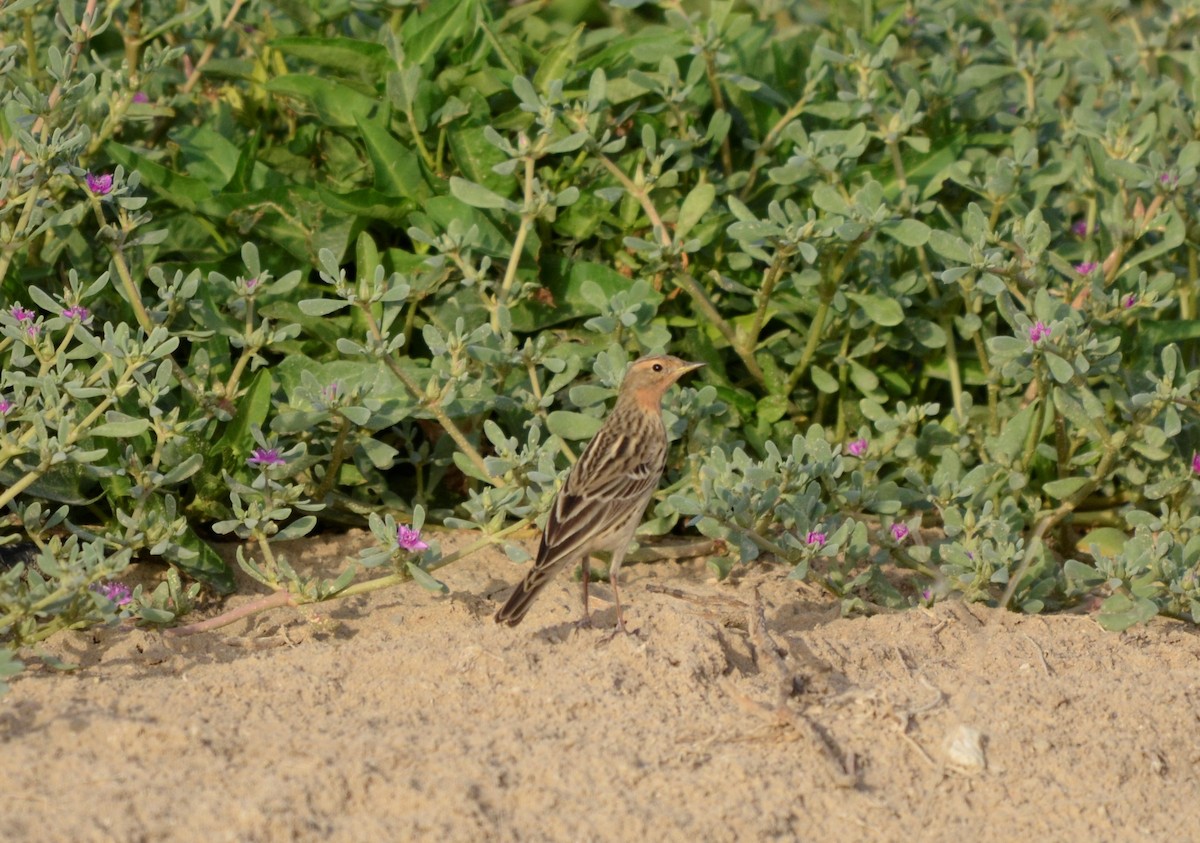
510, 272
432, 405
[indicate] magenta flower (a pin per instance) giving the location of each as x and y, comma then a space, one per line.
1168, 179
117, 592
251, 283
265, 457
77, 312
1130, 300
330, 393
99, 184
899, 531
1196, 463
815, 538
6, 406
857, 448
927, 594
20, 314
1080, 228
409, 539
140, 97
1087, 267
33, 329
1038, 332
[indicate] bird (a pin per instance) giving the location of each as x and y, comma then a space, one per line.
606, 492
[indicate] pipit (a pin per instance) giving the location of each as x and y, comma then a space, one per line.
600, 506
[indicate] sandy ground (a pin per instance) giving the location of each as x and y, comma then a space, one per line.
404, 715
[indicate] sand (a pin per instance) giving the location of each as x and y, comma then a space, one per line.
405, 715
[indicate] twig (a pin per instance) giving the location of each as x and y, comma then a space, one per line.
270, 601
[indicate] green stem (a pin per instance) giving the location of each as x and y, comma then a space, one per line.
817, 327
510, 272
335, 461
770, 279
433, 406
683, 279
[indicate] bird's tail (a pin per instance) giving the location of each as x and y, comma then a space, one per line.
513, 612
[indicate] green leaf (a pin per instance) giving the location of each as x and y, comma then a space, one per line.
823, 381
1119, 612
182, 191
397, 168
1064, 488
557, 62
1103, 541
695, 206
424, 579
772, 408
827, 198
477, 196
950, 246
570, 425
121, 429
335, 103
348, 55
252, 409
879, 309
321, 307
297, 529
424, 34
1059, 368
909, 232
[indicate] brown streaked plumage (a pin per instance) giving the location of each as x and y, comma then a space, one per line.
601, 504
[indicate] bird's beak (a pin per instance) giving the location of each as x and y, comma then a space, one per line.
691, 367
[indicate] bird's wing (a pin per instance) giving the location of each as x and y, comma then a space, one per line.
615, 475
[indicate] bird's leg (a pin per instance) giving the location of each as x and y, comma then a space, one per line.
586, 571
612, 580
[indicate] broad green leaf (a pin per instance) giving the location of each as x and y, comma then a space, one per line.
180, 190
349, 55
121, 429
1059, 368
573, 426
1119, 612
879, 309
424, 579
909, 232
397, 168
335, 103
476, 195
1064, 488
695, 206
1103, 541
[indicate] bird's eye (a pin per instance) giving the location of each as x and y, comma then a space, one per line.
657, 367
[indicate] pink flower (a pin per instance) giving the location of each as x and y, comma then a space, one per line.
1038, 332
99, 184
857, 448
409, 539
6, 406
264, 457
1130, 300
1087, 267
815, 538
117, 592
20, 314
1168, 179
77, 312
140, 97
1080, 228
899, 531
1196, 463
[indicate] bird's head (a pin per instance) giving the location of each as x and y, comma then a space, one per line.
649, 377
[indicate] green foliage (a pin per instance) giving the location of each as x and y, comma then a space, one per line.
940, 258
